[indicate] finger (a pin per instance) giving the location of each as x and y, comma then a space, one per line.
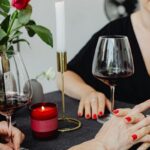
5, 147
141, 107
4, 128
134, 118
18, 137
94, 107
121, 112
145, 139
144, 146
140, 133
87, 109
101, 105
143, 123
80, 108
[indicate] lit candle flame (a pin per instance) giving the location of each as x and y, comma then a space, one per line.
43, 108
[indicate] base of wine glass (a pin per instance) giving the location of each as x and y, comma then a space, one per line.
67, 124
104, 118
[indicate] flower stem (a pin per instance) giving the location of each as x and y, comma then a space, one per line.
38, 76
12, 21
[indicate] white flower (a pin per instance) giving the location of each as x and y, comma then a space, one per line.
48, 74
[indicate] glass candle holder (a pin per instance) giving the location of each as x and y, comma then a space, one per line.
44, 120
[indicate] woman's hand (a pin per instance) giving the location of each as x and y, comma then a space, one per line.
89, 145
17, 137
119, 134
116, 134
93, 105
132, 116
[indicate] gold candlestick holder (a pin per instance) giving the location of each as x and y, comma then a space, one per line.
65, 123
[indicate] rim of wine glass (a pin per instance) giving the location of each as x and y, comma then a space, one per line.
113, 37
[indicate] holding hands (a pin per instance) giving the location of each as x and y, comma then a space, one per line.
141, 124
125, 129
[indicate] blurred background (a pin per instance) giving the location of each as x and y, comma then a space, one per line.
83, 18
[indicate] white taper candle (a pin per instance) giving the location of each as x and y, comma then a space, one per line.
60, 25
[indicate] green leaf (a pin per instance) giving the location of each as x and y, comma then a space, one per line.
10, 51
21, 40
16, 25
24, 15
4, 40
3, 37
31, 32
2, 13
5, 5
31, 22
5, 23
13, 18
2, 34
44, 33
15, 35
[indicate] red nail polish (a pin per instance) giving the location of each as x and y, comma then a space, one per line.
116, 111
87, 116
128, 119
79, 114
134, 137
100, 113
94, 116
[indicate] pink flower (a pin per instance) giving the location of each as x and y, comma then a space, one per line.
20, 4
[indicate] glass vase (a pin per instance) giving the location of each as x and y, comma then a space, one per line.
15, 87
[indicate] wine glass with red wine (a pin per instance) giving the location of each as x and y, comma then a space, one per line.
112, 61
15, 87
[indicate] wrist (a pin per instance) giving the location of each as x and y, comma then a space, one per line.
99, 145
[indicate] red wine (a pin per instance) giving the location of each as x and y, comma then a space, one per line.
113, 77
11, 103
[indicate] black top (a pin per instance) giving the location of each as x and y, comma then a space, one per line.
134, 89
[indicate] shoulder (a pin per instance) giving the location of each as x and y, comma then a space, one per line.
118, 26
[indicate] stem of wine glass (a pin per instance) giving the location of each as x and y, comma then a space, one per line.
112, 96
8, 118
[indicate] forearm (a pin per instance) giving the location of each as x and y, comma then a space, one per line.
89, 145
74, 85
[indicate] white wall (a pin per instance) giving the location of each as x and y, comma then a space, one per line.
83, 18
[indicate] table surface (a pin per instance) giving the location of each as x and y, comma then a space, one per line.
64, 140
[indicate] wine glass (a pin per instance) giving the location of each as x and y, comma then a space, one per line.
112, 61
15, 87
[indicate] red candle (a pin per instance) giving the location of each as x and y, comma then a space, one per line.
44, 120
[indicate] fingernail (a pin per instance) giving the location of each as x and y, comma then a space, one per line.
134, 137
94, 116
100, 113
128, 119
79, 114
116, 111
87, 116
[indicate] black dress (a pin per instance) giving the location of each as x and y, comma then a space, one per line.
134, 89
